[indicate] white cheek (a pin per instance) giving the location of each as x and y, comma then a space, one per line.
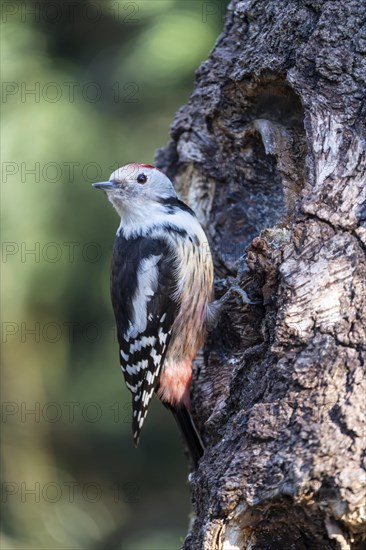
124, 200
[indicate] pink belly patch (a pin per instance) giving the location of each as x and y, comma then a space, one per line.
175, 382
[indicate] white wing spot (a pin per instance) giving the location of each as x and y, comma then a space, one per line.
135, 369
144, 396
141, 421
124, 356
155, 356
132, 369
131, 387
162, 336
135, 387
142, 343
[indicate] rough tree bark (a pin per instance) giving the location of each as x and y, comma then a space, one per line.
270, 152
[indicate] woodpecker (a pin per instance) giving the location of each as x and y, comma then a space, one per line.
161, 290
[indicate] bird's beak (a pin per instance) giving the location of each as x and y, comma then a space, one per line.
105, 185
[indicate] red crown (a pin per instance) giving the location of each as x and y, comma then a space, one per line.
142, 165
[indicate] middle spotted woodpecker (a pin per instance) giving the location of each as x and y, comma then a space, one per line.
161, 287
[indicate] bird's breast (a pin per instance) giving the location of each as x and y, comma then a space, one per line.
194, 292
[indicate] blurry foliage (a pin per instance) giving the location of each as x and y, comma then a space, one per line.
107, 79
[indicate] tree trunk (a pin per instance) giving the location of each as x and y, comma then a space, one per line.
270, 153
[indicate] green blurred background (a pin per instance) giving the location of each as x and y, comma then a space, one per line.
86, 87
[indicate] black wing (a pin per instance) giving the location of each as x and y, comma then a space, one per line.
142, 288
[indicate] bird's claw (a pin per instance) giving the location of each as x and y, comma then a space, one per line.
243, 295
235, 288
217, 306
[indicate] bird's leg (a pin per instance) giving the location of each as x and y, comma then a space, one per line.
217, 306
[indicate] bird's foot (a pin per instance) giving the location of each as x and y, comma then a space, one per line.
217, 306
236, 289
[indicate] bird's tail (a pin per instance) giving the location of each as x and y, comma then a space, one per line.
189, 432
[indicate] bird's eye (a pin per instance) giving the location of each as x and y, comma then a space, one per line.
141, 178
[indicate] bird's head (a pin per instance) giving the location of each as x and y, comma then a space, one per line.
136, 188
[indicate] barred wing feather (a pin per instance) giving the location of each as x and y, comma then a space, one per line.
142, 290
